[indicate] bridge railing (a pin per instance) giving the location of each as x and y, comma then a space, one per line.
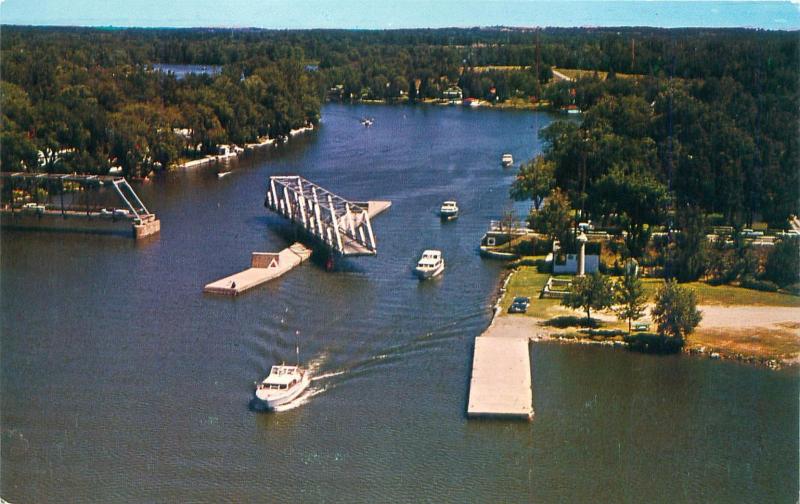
340, 224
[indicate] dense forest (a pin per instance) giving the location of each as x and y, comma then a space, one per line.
702, 117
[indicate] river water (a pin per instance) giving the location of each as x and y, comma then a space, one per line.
121, 381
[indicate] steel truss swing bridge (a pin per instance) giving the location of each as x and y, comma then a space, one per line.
344, 227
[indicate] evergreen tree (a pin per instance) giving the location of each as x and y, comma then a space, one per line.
630, 298
783, 262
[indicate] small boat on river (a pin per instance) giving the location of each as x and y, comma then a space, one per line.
449, 210
430, 264
507, 160
283, 385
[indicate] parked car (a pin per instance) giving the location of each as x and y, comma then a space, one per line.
519, 305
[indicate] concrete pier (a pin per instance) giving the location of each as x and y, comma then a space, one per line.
500, 386
147, 227
265, 266
80, 222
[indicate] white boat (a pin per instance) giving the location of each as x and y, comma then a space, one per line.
449, 210
223, 173
283, 385
507, 159
430, 264
367, 122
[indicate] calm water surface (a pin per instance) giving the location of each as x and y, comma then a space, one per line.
121, 381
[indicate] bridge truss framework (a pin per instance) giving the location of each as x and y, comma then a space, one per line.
340, 225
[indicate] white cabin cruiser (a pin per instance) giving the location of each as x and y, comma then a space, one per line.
283, 385
430, 264
449, 210
507, 160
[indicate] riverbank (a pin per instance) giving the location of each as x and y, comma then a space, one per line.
749, 326
234, 151
510, 104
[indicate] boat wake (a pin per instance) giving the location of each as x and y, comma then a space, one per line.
300, 400
327, 375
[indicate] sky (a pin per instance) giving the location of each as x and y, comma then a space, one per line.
387, 14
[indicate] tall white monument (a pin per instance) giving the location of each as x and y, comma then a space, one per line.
582, 254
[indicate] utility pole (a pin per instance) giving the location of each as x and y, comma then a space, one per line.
538, 57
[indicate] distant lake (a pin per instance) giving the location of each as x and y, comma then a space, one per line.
181, 71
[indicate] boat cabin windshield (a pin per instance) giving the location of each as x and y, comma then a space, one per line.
429, 259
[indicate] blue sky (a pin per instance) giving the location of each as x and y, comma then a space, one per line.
378, 14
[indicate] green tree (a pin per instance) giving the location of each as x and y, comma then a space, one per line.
783, 262
630, 298
638, 198
675, 311
533, 182
691, 245
555, 219
589, 292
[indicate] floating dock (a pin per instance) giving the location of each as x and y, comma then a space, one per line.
500, 386
264, 266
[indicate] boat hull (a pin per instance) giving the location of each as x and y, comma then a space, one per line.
492, 253
424, 274
445, 215
273, 401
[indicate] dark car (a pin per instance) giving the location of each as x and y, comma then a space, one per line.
519, 305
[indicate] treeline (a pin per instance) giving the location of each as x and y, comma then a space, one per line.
708, 117
709, 143
85, 100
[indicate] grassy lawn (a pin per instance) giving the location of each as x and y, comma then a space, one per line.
728, 294
760, 343
574, 73
527, 281
499, 68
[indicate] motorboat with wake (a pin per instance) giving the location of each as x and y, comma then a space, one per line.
283, 385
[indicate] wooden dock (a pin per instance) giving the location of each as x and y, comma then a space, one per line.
500, 386
265, 266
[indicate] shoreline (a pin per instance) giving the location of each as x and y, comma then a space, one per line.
506, 105
722, 334
237, 150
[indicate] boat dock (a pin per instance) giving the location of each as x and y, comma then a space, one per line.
500, 386
74, 203
264, 266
